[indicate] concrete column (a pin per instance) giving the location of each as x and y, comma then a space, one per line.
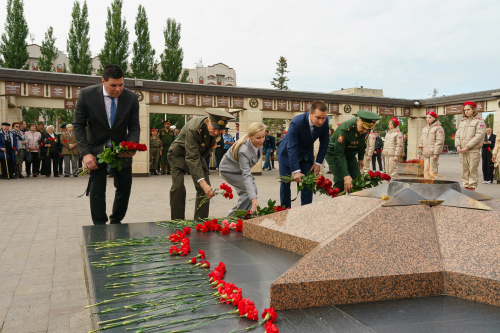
415, 127
4, 106
496, 122
246, 118
140, 167
339, 119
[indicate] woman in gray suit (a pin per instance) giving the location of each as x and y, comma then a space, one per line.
235, 167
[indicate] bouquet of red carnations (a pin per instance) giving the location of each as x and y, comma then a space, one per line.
110, 155
322, 185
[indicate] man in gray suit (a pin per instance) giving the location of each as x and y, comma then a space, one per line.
107, 113
236, 167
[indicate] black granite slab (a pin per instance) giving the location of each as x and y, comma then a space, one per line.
252, 265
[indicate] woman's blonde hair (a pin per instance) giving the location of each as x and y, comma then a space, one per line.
252, 130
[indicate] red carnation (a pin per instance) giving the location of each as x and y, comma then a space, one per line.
489, 149
330, 191
201, 254
378, 174
174, 250
371, 174
199, 226
192, 261
205, 264
51, 139
225, 230
239, 226
270, 327
336, 191
269, 314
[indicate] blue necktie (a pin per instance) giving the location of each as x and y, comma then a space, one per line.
314, 132
113, 110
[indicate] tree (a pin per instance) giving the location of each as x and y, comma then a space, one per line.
184, 77
48, 52
448, 123
280, 81
116, 44
383, 124
143, 59
489, 119
77, 44
275, 125
156, 120
172, 56
13, 46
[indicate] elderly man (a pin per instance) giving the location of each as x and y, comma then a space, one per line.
8, 151
50, 151
69, 151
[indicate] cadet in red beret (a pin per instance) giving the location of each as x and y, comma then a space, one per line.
431, 145
469, 140
393, 147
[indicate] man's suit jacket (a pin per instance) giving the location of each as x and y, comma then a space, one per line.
298, 143
243, 167
65, 145
13, 141
492, 138
91, 124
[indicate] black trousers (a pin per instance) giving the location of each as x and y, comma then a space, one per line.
7, 163
487, 166
123, 186
378, 157
52, 159
34, 164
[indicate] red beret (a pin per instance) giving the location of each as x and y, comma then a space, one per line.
432, 113
154, 129
395, 120
471, 103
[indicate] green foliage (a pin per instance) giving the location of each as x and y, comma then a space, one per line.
77, 44
172, 56
143, 58
13, 46
275, 125
48, 52
48, 116
184, 77
489, 119
156, 120
116, 44
448, 123
280, 81
383, 124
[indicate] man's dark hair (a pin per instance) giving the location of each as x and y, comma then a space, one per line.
318, 105
267, 131
112, 71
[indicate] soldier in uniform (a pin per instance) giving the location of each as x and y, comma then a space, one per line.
154, 152
166, 138
349, 141
188, 154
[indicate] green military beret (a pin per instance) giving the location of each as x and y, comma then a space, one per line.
368, 119
218, 117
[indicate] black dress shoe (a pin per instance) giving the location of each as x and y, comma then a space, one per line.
21, 176
27, 176
66, 175
13, 177
56, 175
35, 176
75, 175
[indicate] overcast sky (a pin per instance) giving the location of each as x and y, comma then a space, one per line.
405, 47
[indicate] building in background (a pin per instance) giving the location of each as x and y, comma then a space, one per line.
360, 92
216, 75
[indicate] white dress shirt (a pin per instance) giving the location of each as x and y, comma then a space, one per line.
107, 105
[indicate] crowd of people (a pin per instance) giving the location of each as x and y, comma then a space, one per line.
36, 150
308, 143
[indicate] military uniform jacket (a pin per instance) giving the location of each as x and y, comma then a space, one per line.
432, 139
470, 133
393, 144
192, 147
166, 137
154, 144
345, 143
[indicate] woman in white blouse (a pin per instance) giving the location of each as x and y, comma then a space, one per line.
34, 139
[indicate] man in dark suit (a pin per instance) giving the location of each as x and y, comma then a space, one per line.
377, 153
296, 149
486, 153
107, 113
